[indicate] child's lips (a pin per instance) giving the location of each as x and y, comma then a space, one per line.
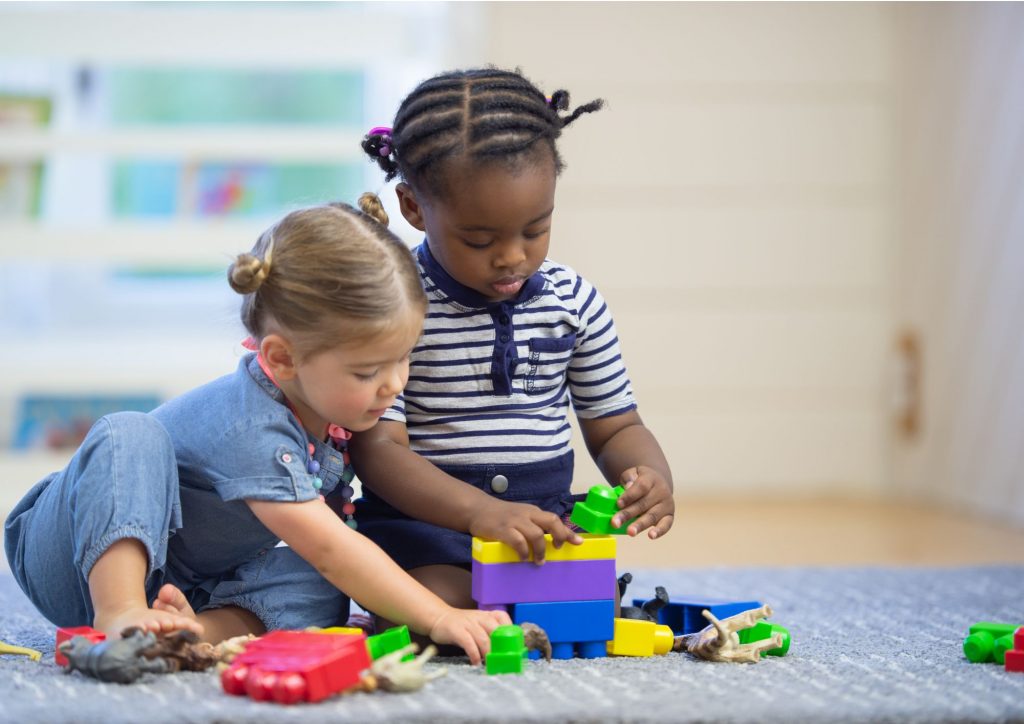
508, 285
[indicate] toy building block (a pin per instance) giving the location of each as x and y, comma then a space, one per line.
595, 514
988, 642
555, 581
639, 638
292, 666
20, 651
764, 630
593, 547
340, 630
389, 641
68, 633
570, 625
683, 614
1014, 658
507, 651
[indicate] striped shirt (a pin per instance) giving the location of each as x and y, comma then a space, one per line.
491, 382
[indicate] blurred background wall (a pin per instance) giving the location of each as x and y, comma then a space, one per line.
806, 217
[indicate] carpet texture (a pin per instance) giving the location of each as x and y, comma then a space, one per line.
869, 644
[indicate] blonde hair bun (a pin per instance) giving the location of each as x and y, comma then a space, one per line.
248, 273
371, 205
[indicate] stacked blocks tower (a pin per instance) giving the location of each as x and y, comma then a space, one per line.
507, 651
571, 596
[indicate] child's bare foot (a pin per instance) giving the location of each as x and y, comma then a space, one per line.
170, 612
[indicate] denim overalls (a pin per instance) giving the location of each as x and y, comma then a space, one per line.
177, 479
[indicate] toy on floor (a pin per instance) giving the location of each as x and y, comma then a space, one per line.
1014, 658
20, 651
721, 642
120, 661
508, 651
988, 642
401, 670
634, 637
536, 639
67, 633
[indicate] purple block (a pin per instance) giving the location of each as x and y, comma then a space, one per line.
526, 582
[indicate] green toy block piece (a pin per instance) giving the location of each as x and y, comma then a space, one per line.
1001, 646
594, 515
507, 651
988, 642
762, 630
391, 640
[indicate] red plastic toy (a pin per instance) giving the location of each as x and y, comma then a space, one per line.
67, 633
293, 666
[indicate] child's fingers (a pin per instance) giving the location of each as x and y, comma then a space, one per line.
497, 618
519, 543
469, 644
662, 527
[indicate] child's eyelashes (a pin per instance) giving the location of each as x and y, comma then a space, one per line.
536, 234
367, 376
476, 244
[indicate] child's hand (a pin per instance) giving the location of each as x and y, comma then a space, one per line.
469, 629
648, 498
521, 526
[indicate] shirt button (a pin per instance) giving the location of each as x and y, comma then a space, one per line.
503, 338
499, 483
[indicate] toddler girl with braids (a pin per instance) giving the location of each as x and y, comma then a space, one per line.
172, 519
479, 442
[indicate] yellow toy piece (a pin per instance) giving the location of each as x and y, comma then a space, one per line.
20, 651
640, 638
344, 630
593, 547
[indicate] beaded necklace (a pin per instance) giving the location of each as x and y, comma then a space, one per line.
335, 435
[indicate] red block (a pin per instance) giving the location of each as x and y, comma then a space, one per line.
292, 666
66, 633
1014, 660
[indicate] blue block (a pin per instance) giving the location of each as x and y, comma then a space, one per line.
683, 615
569, 620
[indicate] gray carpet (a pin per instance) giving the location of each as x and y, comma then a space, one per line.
868, 645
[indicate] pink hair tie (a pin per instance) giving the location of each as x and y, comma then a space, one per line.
385, 134
250, 344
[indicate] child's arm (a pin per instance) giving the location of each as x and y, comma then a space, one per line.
355, 565
383, 459
627, 454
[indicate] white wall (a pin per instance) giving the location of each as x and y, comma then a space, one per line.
961, 276
733, 202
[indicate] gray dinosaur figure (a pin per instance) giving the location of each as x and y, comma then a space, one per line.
120, 660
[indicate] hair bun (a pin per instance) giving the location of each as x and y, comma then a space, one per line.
248, 273
370, 204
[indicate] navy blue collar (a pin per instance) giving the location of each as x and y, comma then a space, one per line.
470, 297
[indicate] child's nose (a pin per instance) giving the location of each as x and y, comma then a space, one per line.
510, 255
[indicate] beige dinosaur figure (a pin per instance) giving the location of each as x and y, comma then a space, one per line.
390, 673
720, 642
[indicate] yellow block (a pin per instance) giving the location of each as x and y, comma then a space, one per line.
344, 630
640, 638
593, 547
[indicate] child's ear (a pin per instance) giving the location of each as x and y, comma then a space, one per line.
278, 355
411, 209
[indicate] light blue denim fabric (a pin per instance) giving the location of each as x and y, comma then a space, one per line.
177, 480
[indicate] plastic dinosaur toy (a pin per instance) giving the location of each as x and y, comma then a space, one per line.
20, 651
536, 639
649, 610
720, 642
183, 651
119, 660
390, 673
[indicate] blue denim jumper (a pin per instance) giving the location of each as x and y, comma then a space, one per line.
177, 479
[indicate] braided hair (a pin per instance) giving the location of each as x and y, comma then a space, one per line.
485, 114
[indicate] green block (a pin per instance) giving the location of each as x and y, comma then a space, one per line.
594, 515
507, 651
762, 630
391, 640
1002, 645
985, 642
